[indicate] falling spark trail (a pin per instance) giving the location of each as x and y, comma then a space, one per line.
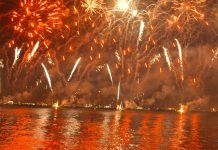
141, 30
33, 51
215, 55
118, 92
167, 58
74, 68
109, 71
155, 59
117, 56
16, 55
142, 25
48, 77
180, 57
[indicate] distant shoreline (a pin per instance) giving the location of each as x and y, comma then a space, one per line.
93, 108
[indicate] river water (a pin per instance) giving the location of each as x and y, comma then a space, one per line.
81, 129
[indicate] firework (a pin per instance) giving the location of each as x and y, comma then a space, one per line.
92, 6
125, 33
56, 105
155, 59
180, 57
33, 51
119, 106
188, 10
117, 56
118, 92
109, 72
215, 55
36, 18
74, 68
122, 5
48, 77
141, 30
168, 59
16, 55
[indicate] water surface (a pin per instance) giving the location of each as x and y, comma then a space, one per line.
80, 129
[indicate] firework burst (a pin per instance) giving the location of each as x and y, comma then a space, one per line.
92, 6
36, 18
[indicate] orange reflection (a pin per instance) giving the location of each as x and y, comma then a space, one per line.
54, 131
194, 138
178, 136
124, 130
18, 133
144, 131
156, 133
91, 133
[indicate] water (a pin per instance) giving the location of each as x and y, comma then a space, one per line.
80, 129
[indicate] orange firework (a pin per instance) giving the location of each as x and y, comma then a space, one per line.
92, 6
188, 10
35, 18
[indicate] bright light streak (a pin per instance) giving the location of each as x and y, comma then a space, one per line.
118, 92
48, 77
155, 59
33, 51
122, 5
119, 106
166, 53
215, 55
117, 56
74, 68
16, 55
109, 71
180, 57
141, 30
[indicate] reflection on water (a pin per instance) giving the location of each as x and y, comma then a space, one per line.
43, 128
